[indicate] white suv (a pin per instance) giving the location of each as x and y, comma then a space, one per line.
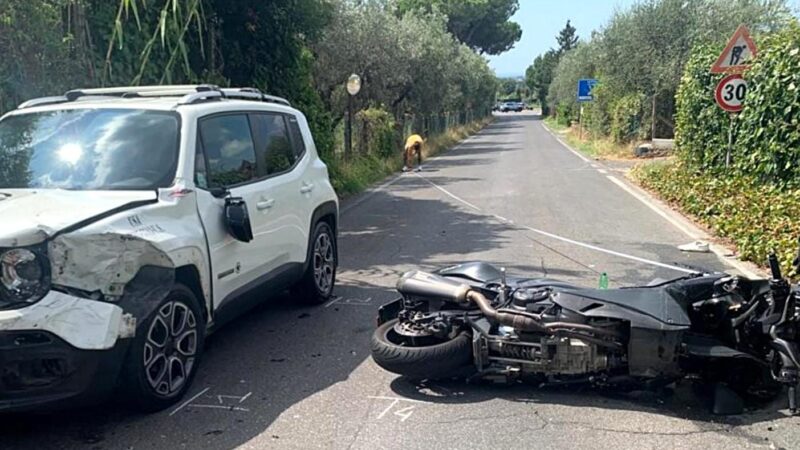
132, 223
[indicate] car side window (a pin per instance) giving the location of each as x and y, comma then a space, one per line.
228, 144
297, 137
274, 147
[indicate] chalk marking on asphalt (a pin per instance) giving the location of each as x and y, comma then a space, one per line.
603, 171
561, 238
335, 299
183, 405
383, 397
229, 408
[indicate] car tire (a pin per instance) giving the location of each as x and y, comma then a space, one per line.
316, 286
444, 360
170, 339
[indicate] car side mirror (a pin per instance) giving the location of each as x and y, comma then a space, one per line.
237, 220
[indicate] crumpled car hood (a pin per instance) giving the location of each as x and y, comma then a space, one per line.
28, 217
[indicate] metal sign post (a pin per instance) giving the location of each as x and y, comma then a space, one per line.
731, 91
585, 87
732, 117
353, 88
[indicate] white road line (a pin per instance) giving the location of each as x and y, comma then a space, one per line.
731, 262
183, 405
369, 193
561, 238
655, 208
610, 252
585, 159
448, 193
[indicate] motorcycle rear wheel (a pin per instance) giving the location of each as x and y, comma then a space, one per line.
442, 360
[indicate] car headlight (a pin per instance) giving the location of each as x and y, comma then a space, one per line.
24, 275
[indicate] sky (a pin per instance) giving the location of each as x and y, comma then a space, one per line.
541, 20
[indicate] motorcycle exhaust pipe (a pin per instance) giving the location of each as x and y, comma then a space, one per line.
519, 320
428, 285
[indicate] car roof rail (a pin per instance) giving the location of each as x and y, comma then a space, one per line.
140, 91
41, 101
189, 93
247, 93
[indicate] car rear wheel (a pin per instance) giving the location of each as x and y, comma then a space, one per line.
165, 353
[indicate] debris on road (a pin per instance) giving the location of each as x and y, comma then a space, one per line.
695, 247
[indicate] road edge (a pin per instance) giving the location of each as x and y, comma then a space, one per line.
351, 202
678, 220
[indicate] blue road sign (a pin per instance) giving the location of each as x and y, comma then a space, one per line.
585, 89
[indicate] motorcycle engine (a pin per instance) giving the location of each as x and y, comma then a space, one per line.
540, 353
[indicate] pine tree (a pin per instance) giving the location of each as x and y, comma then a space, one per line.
567, 39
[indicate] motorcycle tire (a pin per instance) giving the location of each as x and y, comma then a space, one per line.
444, 360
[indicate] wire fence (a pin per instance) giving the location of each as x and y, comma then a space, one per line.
377, 133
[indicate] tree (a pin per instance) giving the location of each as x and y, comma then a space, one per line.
483, 25
567, 39
539, 76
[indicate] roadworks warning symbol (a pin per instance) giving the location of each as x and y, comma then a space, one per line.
738, 54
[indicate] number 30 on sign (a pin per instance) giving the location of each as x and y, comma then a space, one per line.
730, 93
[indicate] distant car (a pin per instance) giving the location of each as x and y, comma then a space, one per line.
511, 106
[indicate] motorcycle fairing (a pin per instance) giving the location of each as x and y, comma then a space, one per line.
656, 308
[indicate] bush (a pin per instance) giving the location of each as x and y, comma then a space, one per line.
758, 218
768, 142
627, 117
766, 133
701, 127
375, 130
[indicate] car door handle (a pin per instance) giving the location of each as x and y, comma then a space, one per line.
265, 204
307, 187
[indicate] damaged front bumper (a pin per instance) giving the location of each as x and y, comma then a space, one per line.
60, 350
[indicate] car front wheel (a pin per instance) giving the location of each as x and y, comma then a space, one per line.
165, 353
317, 283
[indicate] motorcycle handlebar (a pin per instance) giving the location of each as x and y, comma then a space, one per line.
775, 267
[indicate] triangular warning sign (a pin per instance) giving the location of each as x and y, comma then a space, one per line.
738, 54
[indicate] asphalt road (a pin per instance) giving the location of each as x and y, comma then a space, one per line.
292, 377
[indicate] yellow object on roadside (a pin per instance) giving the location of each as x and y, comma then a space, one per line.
414, 139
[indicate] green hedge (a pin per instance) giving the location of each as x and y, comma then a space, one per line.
755, 203
768, 142
766, 133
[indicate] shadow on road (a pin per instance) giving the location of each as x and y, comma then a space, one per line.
686, 401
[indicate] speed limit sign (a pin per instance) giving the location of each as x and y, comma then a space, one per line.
730, 93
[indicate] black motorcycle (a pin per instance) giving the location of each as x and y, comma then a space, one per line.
738, 335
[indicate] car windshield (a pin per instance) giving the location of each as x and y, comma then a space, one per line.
89, 149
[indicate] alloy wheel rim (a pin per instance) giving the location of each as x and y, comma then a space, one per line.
170, 349
324, 263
